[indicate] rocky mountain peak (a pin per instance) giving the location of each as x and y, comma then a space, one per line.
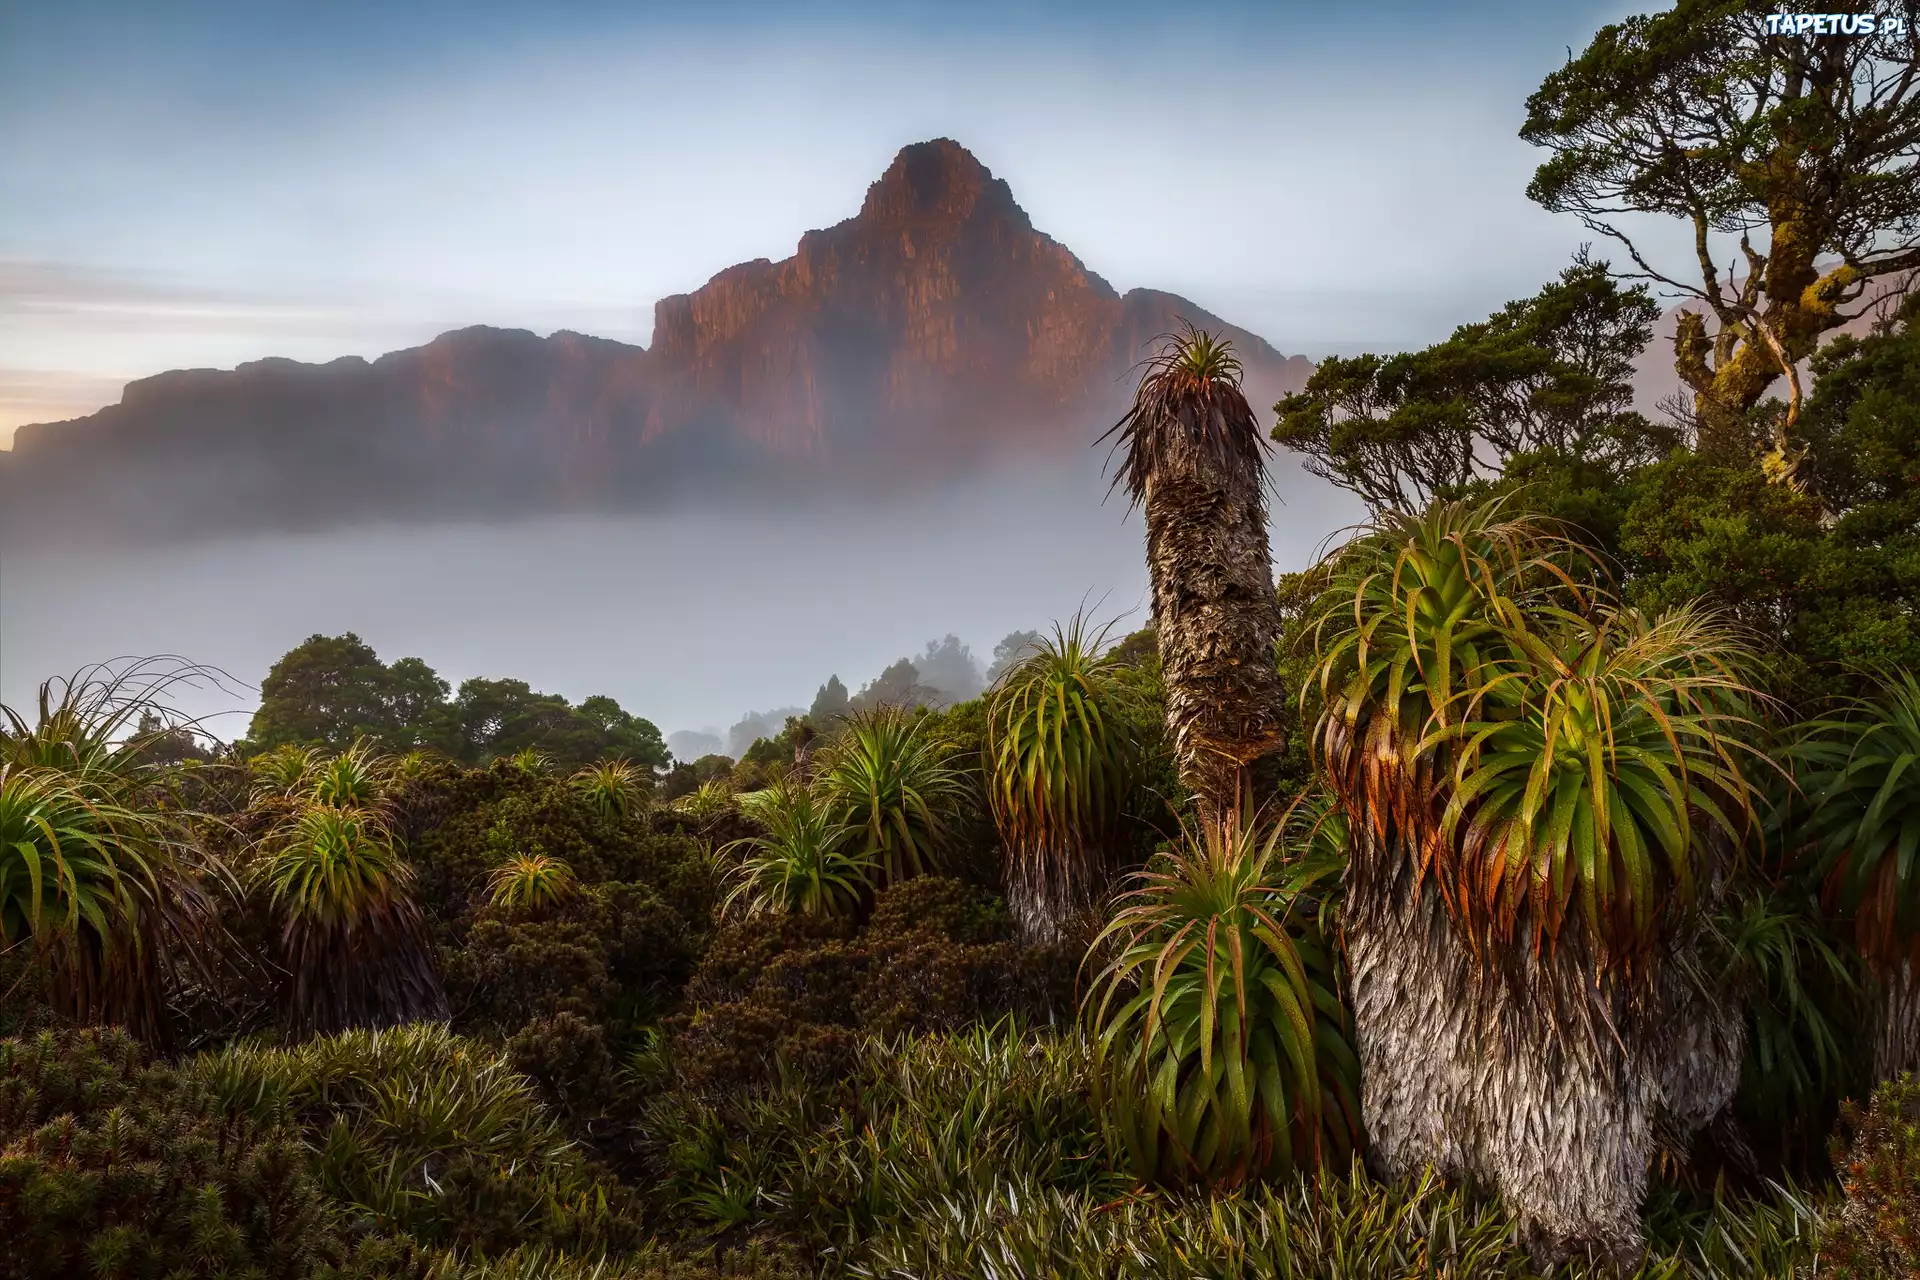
937, 181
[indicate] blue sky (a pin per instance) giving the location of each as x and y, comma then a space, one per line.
196, 185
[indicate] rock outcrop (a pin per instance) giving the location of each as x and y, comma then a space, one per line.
934, 332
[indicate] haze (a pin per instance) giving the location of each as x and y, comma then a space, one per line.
690, 620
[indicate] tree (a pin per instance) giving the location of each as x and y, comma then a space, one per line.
829, 703
1063, 759
1539, 786
1192, 457
331, 691
493, 718
1834, 578
1015, 646
948, 666
1800, 151
1547, 375
897, 686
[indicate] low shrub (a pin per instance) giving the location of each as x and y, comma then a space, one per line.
112, 1165
611, 953
1877, 1231
791, 992
431, 1134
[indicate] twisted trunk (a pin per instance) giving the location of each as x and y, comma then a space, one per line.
1218, 621
1531, 1074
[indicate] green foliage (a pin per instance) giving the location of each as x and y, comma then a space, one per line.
792, 992
1580, 743
1803, 1011
427, 1133
1065, 760
805, 862
464, 823
1332, 1228
351, 934
918, 1119
1223, 1052
612, 952
1550, 375
1877, 1233
332, 691
352, 779
688, 777
95, 890
531, 882
710, 800
891, 779
1861, 775
114, 1166
614, 787
1802, 149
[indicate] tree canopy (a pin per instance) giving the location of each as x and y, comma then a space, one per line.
331, 691
1793, 160
1547, 374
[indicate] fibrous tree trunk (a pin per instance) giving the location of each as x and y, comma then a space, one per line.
1896, 1041
1218, 620
1530, 1074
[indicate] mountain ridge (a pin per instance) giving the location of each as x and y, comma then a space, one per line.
933, 333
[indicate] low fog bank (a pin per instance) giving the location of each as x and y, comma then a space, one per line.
692, 620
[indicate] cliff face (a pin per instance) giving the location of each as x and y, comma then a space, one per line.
934, 331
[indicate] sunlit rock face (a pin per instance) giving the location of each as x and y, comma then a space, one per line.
934, 333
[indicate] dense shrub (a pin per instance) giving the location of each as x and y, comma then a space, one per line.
462, 823
1877, 1232
114, 1166
793, 991
428, 1133
612, 953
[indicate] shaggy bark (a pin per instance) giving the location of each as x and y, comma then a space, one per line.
1218, 620
1896, 1041
1528, 1073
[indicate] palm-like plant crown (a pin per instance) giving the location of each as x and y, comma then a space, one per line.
110, 887
615, 788
1219, 1032
69, 863
353, 779
286, 770
891, 780
1064, 764
1188, 414
1526, 742
1861, 773
532, 761
531, 881
333, 869
807, 863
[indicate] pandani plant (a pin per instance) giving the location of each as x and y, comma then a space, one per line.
531, 882
1064, 760
806, 862
100, 872
616, 789
1541, 786
351, 937
1222, 1050
1859, 769
890, 779
1193, 456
